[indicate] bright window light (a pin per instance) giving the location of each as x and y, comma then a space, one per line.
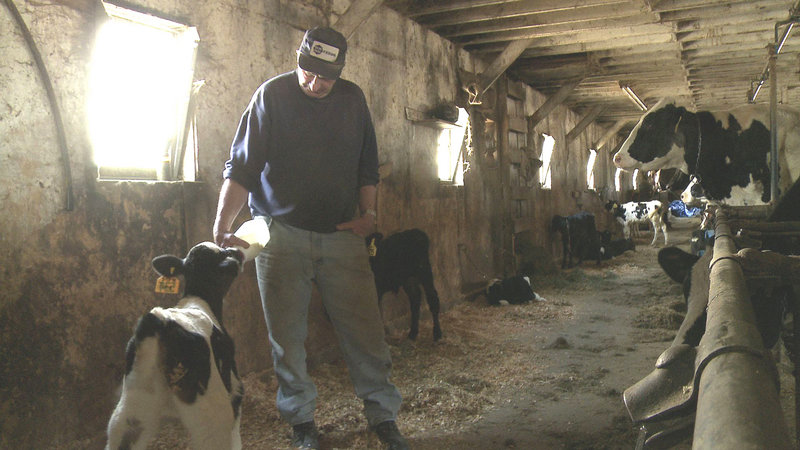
545, 174
139, 90
618, 180
453, 144
635, 179
590, 169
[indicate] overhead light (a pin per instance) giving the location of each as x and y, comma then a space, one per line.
632, 95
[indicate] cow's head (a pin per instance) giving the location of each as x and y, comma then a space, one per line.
693, 195
657, 141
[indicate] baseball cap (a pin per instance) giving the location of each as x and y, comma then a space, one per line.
322, 52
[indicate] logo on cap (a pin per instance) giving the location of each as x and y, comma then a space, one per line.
324, 51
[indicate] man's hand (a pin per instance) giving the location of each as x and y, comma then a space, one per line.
227, 239
363, 226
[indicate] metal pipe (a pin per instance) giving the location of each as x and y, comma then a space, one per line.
738, 404
779, 45
51, 97
774, 164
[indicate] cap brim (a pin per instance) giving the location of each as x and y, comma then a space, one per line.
316, 65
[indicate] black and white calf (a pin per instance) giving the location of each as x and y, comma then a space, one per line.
402, 260
728, 151
579, 237
632, 213
180, 361
514, 291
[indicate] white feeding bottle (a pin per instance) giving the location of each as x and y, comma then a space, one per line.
256, 233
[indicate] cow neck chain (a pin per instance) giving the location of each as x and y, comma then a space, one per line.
696, 174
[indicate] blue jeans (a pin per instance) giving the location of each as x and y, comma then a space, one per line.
338, 264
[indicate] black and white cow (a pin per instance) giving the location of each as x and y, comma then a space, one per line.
402, 260
632, 213
180, 361
579, 237
726, 151
514, 290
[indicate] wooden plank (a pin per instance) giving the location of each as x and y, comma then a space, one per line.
641, 32
520, 192
518, 124
516, 89
585, 122
610, 133
501, 63
524, 224
417, 8
534, 23
358, 12
553, 101
584, 10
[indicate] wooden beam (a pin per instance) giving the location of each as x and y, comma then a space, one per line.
416, 8
555, 100
573, 10
358, 12
610, 133
585, 122
501, 63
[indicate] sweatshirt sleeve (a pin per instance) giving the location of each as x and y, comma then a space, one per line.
249, 147
368, 164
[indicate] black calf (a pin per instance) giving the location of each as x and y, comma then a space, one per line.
579, 237
401, 260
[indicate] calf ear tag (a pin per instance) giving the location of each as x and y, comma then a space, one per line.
373, 249
168, 285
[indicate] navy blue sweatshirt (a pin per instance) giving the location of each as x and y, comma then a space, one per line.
303, 159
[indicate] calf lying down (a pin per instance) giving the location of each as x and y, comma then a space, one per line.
511, 291
180, 361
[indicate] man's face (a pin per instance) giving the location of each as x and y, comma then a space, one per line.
314, 85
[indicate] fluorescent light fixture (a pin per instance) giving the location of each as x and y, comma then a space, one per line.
632, 95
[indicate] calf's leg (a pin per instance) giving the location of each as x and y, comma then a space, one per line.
135, 420
414, 293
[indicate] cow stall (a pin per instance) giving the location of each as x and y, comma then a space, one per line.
724, 391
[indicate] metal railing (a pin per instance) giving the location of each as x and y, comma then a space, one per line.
738, 405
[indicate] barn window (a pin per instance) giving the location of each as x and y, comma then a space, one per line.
590, 169
545, 174
454, 143
140, 87
618, 180
635, 179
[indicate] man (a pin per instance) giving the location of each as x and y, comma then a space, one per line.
305, 157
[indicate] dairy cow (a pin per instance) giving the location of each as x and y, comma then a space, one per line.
726, 152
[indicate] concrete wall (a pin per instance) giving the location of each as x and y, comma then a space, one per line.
75, 281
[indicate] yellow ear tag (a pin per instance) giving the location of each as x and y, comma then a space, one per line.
168, 285
373, 249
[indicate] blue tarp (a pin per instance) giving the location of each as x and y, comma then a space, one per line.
679, 209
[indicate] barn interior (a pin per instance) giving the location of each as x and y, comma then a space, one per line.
491, 118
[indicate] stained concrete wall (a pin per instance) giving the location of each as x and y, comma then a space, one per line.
75, 281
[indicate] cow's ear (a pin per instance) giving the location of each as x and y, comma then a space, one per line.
168, 265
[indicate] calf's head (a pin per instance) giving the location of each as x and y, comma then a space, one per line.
208, 271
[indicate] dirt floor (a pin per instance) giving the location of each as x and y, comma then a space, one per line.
547, 375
